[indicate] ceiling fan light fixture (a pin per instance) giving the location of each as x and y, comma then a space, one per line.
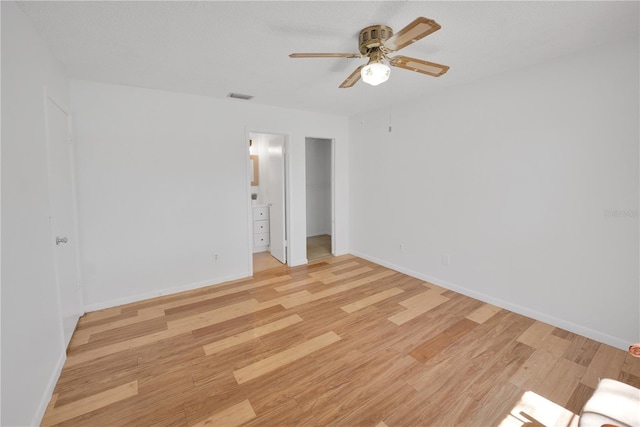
376, 42
375, 73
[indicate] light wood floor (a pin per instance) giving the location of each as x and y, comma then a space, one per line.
340, 342
317, 247
263, 261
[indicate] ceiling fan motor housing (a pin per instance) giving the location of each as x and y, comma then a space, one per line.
373, 36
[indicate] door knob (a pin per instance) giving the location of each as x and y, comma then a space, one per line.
61, 240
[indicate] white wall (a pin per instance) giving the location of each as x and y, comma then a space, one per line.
32, 341
162, 184
514, 177
318, 176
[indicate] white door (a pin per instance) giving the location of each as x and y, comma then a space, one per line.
63, 218
277, 219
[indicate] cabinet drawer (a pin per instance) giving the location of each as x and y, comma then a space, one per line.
261, 226
261, 213
261, 239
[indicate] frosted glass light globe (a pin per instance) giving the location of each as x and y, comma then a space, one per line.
375, 73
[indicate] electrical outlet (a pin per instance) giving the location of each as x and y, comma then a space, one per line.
215, 257
401, 247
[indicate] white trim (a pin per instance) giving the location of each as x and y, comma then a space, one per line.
48, 392
332, 142
52, 234
169, 291
58, 103
298, 262
49, 97
287, 197
287, 191
333, 196
534, 314
248, 173
76, 219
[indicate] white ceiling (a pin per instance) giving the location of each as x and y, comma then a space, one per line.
213, 48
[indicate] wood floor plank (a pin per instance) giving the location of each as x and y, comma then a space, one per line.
418, 305
606, 363
435, 345
283, 348
216, 316
111, 372
333, 267
418, 301
473, 356
483, 313
279, 360
535, 335
495, 405
224, 292
627, 378
234, 416
84, 356
434, 288
562, 380
631, 365
211, 331
295, 284
205, 304
83, 335
505, 363
294, 300
263, 261
370, 300
134, 330
80, 357
101, 314
89, 403
532, 372
50, 408
581, 350
578, 398
336, 277
251, 334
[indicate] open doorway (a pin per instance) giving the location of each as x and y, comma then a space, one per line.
268, 200
319, 191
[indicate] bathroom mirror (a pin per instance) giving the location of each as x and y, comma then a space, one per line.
254, 171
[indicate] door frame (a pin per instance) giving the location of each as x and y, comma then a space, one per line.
287, 190
332, 185
48, 96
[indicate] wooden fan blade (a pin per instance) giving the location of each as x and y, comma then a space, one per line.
418, 65
353, 78
413, 32
325, 55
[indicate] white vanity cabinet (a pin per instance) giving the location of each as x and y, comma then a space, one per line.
260, 228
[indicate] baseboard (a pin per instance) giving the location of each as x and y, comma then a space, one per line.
525, 311
48, 392
163, 292
297, 262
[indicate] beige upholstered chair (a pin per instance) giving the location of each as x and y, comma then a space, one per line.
613, 403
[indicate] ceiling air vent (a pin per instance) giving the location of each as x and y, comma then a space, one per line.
240, 96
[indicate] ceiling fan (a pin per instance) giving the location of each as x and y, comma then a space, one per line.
376, 43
